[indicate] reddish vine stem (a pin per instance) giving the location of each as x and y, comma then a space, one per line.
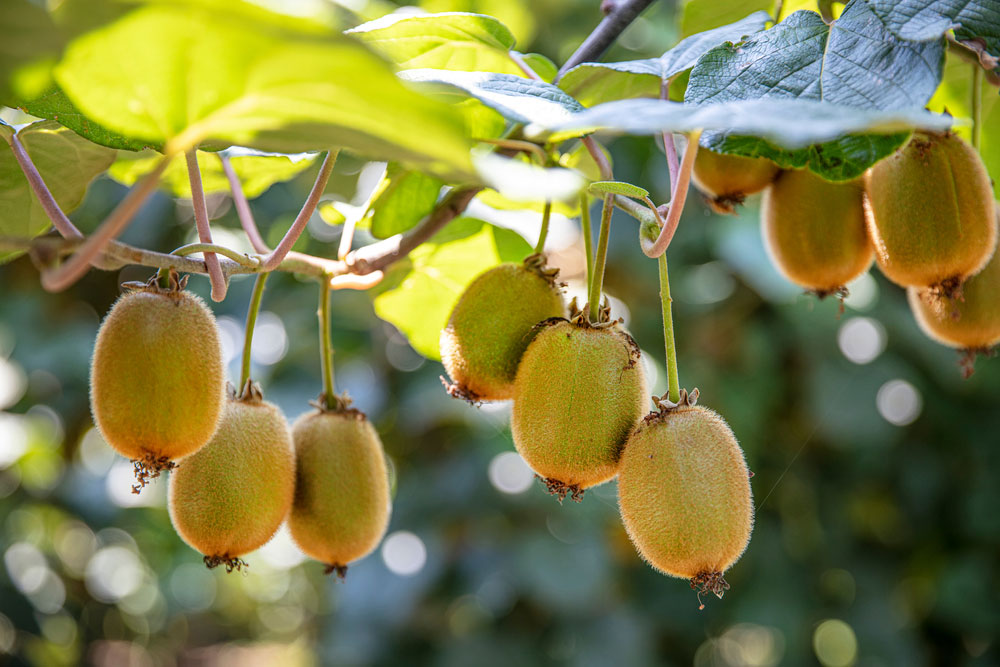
215, 276
59, 220
605, 33
292, 235
678, 197
243, 211
67, 273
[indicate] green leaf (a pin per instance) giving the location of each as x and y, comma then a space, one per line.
517, 99
229, 74
418, 294
449, 40
54, 105
592, 83
257, 173
402, 200
601, 188
854, 62
29, 46
923, 20
542, 66
519, 180
67, 163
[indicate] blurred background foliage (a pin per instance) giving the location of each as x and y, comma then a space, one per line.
876, 465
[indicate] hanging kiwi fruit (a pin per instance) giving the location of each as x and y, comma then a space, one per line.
726, 180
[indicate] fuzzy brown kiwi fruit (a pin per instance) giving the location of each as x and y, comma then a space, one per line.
230, 496
930, 213
157, 380
726, 180
684, 495
579, 392
341, 509
815, 231
492, 324
970, 323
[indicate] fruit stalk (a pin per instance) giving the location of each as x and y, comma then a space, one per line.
673, 379
218, 280
588, 237
597, 280
543, 234
325, 346
255, 299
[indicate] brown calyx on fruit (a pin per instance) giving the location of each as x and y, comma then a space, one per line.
949, 288
212, 562
726, 204
967, 358
536, 263
175, 286
665, 406
341, 405
709, 582
455, 390
149, 468
561, 489
581, 316
340, 570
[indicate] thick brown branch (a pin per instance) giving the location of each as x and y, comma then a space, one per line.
605, 33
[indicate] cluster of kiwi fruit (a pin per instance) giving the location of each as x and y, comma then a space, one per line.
926, 215
579, 397
237, 470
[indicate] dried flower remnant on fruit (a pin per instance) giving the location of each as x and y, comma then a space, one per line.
726, 180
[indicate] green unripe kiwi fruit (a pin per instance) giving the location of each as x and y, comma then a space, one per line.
579, 392
971, 322
814, 230
491, 326
684, 495
931, 213
726, 180
157, 381
230, 496
341, 509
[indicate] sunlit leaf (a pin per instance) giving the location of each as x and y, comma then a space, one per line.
403, 199
29, 46
54, 105
418, 294
67, 163
520, 181
273, 84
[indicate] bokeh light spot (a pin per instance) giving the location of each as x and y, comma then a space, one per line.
899, 402
861, 339
404, 553
509, 473
835, 643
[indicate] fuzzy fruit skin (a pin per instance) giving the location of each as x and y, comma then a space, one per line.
491, 326
342, 505
731, 177
930, 212
157, 378
579, 393
684, 493
230, 496
970, 323
814, 230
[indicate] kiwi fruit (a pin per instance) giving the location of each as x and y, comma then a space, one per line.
341, 508
579, 392
684, 494
970, 323
157, 378
726, 180
930, 213
815, 231
491, 326
230, 496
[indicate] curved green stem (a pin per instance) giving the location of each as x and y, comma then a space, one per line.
977, 104
255, 299
588, 236
673, 382
544, 233
325, 345
191, 248
597, 280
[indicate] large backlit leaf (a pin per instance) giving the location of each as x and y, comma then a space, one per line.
701, 15
29, 46
419, 292
256, 172
517, 99
67, 163
522, 181
403, 199
923, 20
854, 62
450, 40
185, 75
592, 83
54, 105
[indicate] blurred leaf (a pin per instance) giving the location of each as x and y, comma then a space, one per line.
702, 15
517, 99
591, 83
522, 181
924, 20
418, 294
543, 67
450, 40
54, 105
599, 188
403, 199
257, 173
67, 163
29, 46
275, 84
